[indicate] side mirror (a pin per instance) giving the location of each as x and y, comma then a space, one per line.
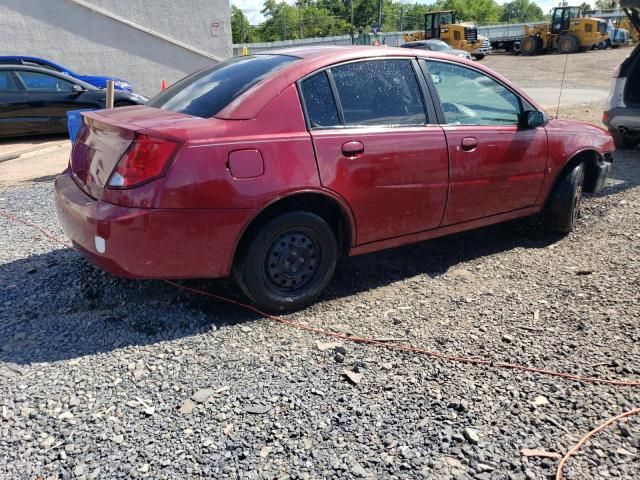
532, 119
78, 89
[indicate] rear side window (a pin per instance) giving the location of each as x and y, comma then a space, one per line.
319, 101
206, 92
7, 84
379, 92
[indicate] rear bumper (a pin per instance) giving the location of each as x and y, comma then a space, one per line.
149, 243
628, 118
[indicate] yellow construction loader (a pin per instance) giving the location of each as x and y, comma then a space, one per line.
568, 32
626, 24
443, 25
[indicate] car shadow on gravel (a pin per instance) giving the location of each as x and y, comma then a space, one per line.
57, 307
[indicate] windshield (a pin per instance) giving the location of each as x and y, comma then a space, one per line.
439, 46
206, 92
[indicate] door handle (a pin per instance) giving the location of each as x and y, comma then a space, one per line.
352, 149
469, 143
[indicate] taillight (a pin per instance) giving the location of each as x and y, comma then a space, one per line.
616, 72
146, 159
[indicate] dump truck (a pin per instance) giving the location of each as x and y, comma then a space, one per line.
444, 25
568, 32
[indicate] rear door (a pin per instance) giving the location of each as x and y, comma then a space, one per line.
15, 114
50, 97
496, 166
377, 147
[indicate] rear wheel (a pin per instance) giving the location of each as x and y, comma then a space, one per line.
625, 142
530, 45
568, 44
563, 206
478, 57
288, 261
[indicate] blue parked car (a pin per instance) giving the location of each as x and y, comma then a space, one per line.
95, 80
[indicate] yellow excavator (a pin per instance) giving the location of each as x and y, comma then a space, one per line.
568, 32
443, 25
626, 24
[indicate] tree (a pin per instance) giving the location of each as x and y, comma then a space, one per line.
521, 11
241, 31
605, 4
585, 7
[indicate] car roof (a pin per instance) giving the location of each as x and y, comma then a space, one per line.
319, 57
29, 68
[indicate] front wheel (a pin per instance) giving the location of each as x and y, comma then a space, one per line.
288, 261
563, 206
478, 57
530, 45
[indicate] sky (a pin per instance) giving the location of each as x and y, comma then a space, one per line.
251, 8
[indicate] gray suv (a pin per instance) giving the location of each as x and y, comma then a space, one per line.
622, 107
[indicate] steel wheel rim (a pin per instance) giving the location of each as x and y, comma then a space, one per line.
576, 201
292, 261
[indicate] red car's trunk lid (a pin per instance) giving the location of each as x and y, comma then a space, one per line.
107, 134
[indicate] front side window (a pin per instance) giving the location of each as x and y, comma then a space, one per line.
206, 92
379, 92
35, 81
319, 101
469, 97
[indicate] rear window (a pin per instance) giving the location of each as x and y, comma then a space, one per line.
206, 92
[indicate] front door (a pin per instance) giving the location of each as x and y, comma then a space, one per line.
375, 147
50, 98
496, 165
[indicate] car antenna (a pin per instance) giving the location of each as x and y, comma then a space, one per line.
564, 73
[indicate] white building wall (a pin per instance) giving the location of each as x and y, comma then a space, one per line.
90, 42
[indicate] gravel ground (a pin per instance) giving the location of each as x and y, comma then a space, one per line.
108, 378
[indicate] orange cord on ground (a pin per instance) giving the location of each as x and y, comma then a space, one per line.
403, 347
582, 441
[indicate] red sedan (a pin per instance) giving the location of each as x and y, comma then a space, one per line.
270, 167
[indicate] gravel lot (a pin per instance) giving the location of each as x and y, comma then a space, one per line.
108, 378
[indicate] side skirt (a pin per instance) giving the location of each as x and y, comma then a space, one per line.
442, 231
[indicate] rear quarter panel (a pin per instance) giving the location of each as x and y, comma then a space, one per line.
200, 178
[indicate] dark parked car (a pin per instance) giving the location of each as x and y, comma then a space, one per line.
622, 107
36, 100
98, 81
271, 167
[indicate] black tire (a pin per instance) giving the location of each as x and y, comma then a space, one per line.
288, 261
562, 208
123, 103
625, 142
478, 57
615, 45
568, 44
530, 45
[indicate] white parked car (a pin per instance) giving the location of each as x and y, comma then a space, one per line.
436, 45
622, 107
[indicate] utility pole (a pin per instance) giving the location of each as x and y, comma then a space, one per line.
300, 17
401, 17
352, 27
241, 27
380, 15
284, 25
